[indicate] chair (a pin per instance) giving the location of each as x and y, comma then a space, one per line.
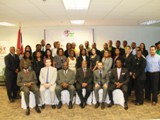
118, 97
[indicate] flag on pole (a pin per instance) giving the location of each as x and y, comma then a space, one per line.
19, 41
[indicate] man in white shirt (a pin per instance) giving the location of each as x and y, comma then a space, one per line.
48, 76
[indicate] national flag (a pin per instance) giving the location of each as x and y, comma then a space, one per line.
19, 41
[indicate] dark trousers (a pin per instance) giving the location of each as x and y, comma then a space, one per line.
130, 86
124, 89
88, 88
11, 84
151, 86
139, 90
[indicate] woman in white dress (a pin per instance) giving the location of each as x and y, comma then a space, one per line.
72, 61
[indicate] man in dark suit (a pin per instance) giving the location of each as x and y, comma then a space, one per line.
119, 79
84, 80
128, 63
105, 48
95, 47
139, 76
12, 68
111, 48
101, 80
118, 45
27, 80
65, 81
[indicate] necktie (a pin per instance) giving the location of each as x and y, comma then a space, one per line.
27, 72
119, 73
84, 72
47, 75
100, 73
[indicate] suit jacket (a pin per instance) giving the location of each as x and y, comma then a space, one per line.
68, 78
79, 61
11, 64
124, 76
23, 78
122, 51
139, 69
52, 76
104, 79
129, 62
80, 76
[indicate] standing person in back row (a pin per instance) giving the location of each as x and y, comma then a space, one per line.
139, 76
152, 69
11, 71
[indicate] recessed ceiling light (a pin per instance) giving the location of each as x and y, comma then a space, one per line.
150, 22
76, 4
6, 24
77, 22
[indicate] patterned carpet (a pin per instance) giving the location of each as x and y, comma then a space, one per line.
13, 111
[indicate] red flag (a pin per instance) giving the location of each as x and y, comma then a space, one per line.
19, 41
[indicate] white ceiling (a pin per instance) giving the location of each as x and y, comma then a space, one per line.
38, 13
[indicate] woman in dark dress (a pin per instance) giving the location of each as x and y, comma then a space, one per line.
94, 59
143, 49
117, 56
82, 57
37, 65
48, 55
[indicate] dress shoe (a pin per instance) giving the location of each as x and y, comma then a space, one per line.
81, 105
43, 106
28, 111
125, 106
97, 105
11, 101
37, 109
59, 105
154, 103
70, 105
102, 105
53, 106
110, 104
84, 104
138, 104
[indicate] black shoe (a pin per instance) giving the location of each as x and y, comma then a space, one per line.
59, 105
37, 109
43, 106
110, 104
102, 105
81, 105
138, 104
97, 105
70, 105
154, 103
28, 111
125, 106
53, 106
84, 104
11, 101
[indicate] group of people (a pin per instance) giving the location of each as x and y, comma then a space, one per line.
128, 68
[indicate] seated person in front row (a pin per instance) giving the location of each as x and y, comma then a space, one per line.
27, 81
101, 80
119, 79
84, 80
48, 76
65, 81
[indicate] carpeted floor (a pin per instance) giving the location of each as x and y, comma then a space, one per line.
13, 111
